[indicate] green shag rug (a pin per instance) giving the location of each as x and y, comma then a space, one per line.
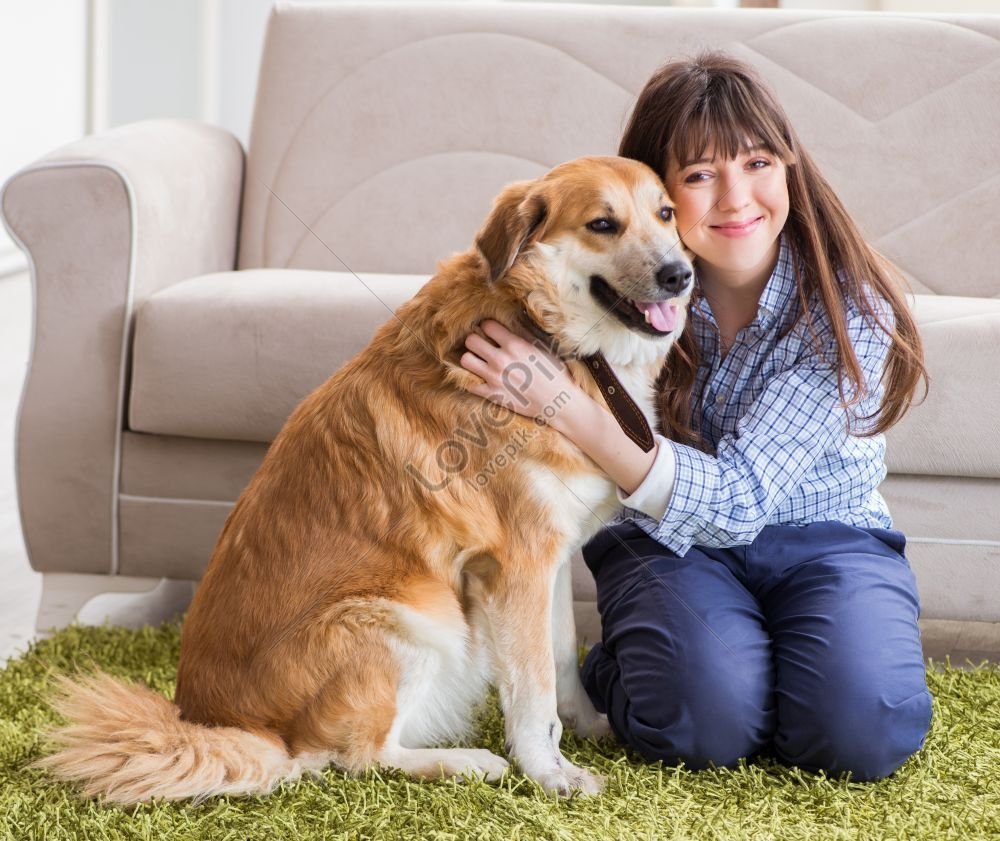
951, 789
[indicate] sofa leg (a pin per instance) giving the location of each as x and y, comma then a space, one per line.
118, 599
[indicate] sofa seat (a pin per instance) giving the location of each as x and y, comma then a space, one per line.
229, 355
201, 417
192, 377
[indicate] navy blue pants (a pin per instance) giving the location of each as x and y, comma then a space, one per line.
803, 644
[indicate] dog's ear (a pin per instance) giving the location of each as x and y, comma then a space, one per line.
517, 214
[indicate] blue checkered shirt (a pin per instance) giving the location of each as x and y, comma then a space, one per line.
778, 446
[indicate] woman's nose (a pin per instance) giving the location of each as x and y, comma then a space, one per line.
735, 193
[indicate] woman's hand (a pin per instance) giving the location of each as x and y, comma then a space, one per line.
519, 374
529, 380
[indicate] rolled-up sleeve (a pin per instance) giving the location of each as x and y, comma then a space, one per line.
653, 495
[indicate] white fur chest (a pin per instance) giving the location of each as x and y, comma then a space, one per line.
578, 505
582, 504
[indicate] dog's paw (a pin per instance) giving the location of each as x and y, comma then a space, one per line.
584, 720
566, 780
596, 727
476, 762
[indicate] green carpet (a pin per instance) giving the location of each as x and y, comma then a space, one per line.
951, 789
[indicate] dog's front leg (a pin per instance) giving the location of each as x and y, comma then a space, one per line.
574, 706
521, 616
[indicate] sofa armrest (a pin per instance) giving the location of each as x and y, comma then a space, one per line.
105, 222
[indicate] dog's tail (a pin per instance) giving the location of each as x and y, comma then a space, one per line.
129, 744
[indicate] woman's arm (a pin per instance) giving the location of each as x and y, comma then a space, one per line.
595, 431
525, 378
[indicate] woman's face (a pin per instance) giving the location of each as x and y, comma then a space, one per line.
731, 212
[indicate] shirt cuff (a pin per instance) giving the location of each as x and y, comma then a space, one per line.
653, 495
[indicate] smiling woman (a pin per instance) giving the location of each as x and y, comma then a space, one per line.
774, 516
731, 211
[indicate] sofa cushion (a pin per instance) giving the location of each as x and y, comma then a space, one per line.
229, 355
954, 432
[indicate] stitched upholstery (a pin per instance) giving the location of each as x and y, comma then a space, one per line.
449, 103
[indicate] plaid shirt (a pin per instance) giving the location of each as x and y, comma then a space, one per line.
779, 451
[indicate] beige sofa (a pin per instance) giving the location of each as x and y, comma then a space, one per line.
187, 297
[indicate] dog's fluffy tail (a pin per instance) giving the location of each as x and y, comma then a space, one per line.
129, 744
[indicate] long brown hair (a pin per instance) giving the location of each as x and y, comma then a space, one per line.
716, 100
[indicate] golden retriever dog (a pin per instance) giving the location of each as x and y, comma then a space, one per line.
384, 566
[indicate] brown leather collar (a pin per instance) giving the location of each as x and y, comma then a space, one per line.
624, 409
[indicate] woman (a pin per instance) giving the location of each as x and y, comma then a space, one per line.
756, 597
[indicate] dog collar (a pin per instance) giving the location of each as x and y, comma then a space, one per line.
623, 408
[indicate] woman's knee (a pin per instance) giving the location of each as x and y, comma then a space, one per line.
867, 735
708, 715
685, 669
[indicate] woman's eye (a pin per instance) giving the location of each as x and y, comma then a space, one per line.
695, 177
602, 226
666, 213
759, 163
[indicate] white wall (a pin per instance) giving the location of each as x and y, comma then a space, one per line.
69, 67
43, 87
194, 59
157, 60
239, 30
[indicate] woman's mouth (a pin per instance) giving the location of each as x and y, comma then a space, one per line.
738, 229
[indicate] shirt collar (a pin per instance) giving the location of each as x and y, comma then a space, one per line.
780, 289
777, 294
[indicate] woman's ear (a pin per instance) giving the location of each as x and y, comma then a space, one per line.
517, 214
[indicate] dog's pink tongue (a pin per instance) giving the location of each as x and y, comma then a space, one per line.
662, 316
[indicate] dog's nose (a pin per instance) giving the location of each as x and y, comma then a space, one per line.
673, 277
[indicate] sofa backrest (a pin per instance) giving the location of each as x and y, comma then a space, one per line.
381, 133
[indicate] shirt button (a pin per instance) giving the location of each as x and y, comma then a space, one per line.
720, 398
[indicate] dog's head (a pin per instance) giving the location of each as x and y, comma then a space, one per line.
592, 251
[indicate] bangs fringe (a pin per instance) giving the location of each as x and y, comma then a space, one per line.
726, 118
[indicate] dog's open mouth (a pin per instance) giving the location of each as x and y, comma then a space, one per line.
654, 317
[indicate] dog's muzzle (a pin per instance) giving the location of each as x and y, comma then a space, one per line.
674, 277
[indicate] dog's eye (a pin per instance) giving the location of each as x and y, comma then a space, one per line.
602, 226
666, 213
